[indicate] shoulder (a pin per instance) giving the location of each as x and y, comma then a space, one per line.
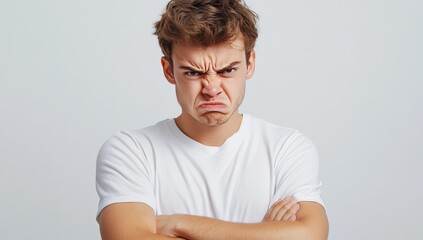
157, 130
264, 129
277, 139
135, 140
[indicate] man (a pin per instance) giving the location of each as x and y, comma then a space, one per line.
212, 172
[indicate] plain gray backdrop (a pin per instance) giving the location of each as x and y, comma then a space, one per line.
348, 74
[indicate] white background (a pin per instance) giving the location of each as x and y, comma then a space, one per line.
346, 73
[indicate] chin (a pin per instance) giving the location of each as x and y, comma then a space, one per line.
214, 118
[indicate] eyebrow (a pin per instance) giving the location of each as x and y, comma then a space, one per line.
229, 66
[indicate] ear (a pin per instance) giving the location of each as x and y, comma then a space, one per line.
251, 64
167, 70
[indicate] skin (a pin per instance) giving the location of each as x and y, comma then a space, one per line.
283, 210
210, 86
311, 224
136, 221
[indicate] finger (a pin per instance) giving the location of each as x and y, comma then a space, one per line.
292, 211
267, 216
275, 208
292, 218
285, 212
280, 207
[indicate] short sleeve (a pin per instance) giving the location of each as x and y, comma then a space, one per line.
297, 170
123, 173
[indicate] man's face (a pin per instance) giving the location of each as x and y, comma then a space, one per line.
209, 82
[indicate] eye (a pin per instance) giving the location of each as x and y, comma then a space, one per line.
229, 72
193, 74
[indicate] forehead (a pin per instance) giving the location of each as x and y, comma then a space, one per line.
223, 52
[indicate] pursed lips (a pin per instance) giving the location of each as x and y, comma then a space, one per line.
212, 105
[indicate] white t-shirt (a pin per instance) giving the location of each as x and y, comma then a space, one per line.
238, 181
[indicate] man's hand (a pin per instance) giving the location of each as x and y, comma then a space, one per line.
310, 223
283, 210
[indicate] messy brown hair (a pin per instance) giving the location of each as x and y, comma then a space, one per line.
206, 23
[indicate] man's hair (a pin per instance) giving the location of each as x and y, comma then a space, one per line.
206, 23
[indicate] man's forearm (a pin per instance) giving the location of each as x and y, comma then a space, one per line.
122, 221
309, 226
196, 228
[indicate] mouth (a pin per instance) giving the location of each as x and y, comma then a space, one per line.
212, 106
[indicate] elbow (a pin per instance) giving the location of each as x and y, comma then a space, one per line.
311, 229
318, 231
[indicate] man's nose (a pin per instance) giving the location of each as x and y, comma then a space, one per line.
211, 86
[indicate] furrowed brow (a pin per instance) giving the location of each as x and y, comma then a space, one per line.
229, 66
190, 68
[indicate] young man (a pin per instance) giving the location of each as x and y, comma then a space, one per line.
212, 172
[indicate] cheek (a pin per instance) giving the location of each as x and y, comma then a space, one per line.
235, 88
187, 92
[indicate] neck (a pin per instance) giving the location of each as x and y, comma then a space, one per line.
209, 135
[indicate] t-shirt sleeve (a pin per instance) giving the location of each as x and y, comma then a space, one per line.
297, 170
123, 173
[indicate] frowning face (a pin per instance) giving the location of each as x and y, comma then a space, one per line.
209, 81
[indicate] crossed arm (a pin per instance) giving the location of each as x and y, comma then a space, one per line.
285, 220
